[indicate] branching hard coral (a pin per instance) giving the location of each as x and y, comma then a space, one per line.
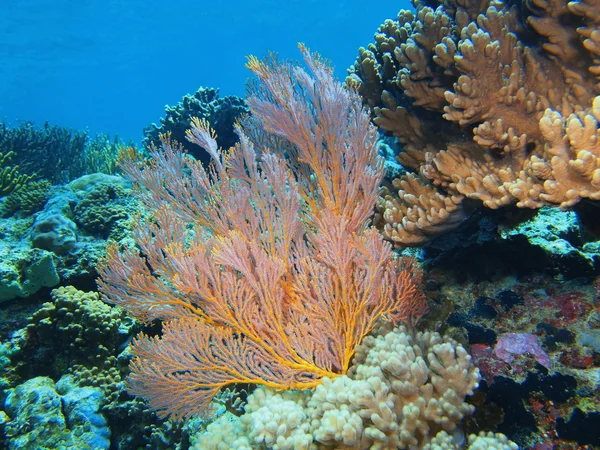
58, 154
101, 155
11, 180
50, 152
27, 201
491, 101
263, 269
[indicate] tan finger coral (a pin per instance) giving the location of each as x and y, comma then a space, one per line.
489, 102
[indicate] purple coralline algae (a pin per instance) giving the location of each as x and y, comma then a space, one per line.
511, 344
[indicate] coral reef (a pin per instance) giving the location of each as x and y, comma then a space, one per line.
495, 106
102, 209
518, 242
65, 239
560, 240
81, 342
23, 272
55, 233
101, 155
205, 103
494, 103
483, 441
536, 340
75, 332
57, 154
400, 392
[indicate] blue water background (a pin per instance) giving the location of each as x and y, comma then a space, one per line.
111, 66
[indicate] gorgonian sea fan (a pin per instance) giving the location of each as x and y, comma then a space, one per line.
262, 267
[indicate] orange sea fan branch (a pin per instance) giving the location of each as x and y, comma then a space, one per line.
262, 267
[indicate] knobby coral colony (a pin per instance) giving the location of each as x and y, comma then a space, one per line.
491, 101
280, 277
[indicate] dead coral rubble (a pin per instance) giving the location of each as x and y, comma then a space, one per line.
491, 102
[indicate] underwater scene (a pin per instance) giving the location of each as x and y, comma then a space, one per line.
351, 227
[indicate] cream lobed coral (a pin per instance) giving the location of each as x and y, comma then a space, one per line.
483, 441
401, 391
490, 102
277, 421
491, 441
223, 434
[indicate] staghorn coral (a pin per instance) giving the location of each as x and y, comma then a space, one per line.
401, 391
492, 102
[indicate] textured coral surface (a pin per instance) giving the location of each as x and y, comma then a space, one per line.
491, 101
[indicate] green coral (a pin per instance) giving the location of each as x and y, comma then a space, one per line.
53, 153
75, 328
58, 154
11, 178
102, 154
103, 211
27, 201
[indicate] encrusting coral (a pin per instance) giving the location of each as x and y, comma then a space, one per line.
76, 328
491, 101
401, 391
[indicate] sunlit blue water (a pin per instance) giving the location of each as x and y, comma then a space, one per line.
111, 66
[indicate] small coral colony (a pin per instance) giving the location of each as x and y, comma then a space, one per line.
409, 259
